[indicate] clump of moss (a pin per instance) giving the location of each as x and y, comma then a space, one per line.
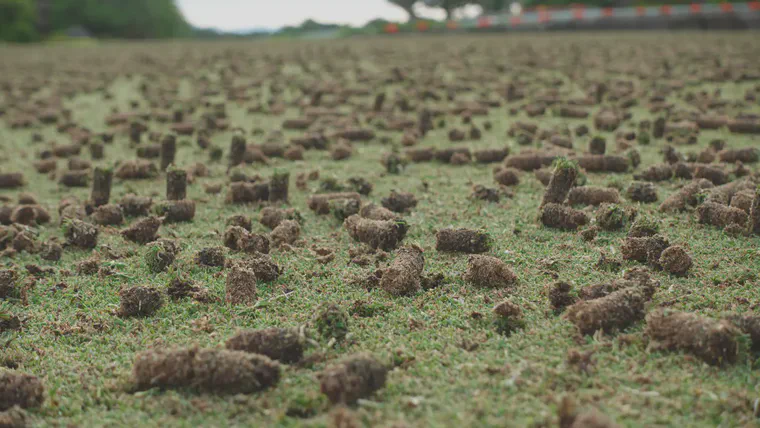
331, 321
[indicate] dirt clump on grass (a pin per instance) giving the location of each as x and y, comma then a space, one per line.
376, 212
271, 217
287, 232
463, 240
20, 389
590, 195
176, 211
80, 234
355, 377
562, 180
642, 191
562, 217
208, 370
7, 283
489, 272
561, 296
507, 318
15, 417
135, 206
211, 257
402, 277
614, 312
140, 301
108, 215
645, 249
320, 203
399, 202
383, 234
240, 286
720, 215
713, 341
675, 260
142, 231
262, 265
138, 169
280, 344
506, 176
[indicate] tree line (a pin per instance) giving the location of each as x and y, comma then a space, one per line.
31, 20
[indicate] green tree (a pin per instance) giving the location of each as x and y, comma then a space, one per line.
493, 6
408, 6
17, 21
449, 6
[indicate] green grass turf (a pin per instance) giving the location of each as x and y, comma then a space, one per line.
451, 368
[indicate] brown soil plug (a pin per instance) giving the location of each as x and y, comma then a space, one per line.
463, 240
287, 232
714, 341
645, 250
278, 187
108, 215
176, 184
135, 206
102, 179
142, 231
209, 370
168, 150
20, 389
721, 215
80, 234
140, 301
562, 217
383, 234
614, 312
489, 272
563, 179
240, 286
357, 376
320, 203
271, 217
376, 212
400, 202
280, 344
402, 277
591, 195
675, 260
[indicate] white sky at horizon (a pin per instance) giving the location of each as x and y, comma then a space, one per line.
234, 15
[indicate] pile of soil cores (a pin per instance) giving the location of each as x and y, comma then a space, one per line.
383, 234
489, 272
20, 389
207, 370
462, 240
720, 215
402, 277
713, 341
280, 344
645, 249
356, 377
614, 312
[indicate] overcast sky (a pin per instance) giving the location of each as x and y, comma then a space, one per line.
231, 15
